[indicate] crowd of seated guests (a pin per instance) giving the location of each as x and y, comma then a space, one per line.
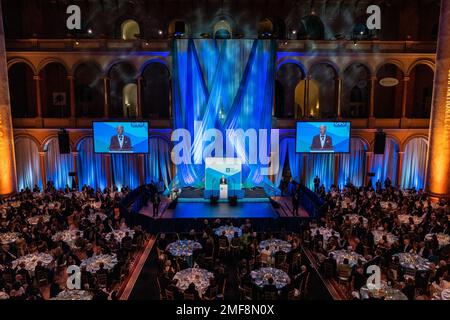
66, 209
358, 237
231, 261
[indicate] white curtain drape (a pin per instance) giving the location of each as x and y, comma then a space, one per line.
414, 164
58, 166
27, 164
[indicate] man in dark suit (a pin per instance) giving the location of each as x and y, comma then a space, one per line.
322, 141
223, 180
120, 142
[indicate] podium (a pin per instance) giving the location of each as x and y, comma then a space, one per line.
223, 191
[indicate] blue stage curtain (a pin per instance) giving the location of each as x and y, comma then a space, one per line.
352, 166
225, 84
414, 164
125, 170
321, 165
157, 162
27, 163
385, 165
91, 166
58, 166
287, 147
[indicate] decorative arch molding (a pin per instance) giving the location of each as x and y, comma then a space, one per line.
151, 61
111, 64
282, 62
388, 136
30, 137
87, 62
162, 137
363, 63
402, 147
14, 61
80, 139
54, 136
330, 63
366, 143
426, 62
47, 61
395, 62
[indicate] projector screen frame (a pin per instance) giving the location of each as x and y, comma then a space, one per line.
324, 152
121, 121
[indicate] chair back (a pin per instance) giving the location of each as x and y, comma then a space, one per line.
270, 296
188, 296
170, 295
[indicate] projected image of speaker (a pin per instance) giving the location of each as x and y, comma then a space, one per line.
380, 142
64, 142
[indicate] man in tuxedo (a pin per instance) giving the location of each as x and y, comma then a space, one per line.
322, 141
120, 142
223, 180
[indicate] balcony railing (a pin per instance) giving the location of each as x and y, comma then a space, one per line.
374, 46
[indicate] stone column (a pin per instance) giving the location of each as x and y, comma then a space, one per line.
8, 180
72, 96
405, 96
400, 167
106, 97
37, 81
43, 173
438, 173
373, 84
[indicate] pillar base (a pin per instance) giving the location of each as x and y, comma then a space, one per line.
435, 196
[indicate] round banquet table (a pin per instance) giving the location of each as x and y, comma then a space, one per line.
4, 295
9, 237
31, 260
385, 205
413, 261
378, 235
445, 294
183, 248
325, 232
353, 257
68, 236
80, 295
229, 231
92, 264
34, 220
404, 219
199, 277
275, 245
386, 292
354, 218
443, 239
93, 217
120, 234
261, 276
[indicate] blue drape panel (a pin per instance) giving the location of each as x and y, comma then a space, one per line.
414, 164
226, 84
353, 165
385, 165
27, 163
321, 165
91, 166
287, 147
58, 166
125, 170
157, 162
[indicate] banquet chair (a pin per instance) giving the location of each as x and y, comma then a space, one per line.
41, 278
344, 276
169, 295
246, 293
284, 266
411, 273
280, 259
188, 296
102, 280
270, 296
212, 293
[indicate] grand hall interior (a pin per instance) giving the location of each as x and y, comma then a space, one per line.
225, 150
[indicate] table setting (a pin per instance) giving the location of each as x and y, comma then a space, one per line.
229, 231
275, 245
68, 236
325, 232
4, 295
73, 295
8, 237
354, 218
413, 261
353, 257
183, 248
93, 217
92, 264
199, 277
385, 292
404, 219
120, 234
34, 220
261, 277
378, 235
31, 260
385, 205
443, 239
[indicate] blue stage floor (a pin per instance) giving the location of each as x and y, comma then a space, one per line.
222, 210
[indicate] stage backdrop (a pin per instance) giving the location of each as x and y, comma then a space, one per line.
225, 84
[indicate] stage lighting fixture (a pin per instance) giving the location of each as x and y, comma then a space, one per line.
160, 32
294, 31
89, 31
